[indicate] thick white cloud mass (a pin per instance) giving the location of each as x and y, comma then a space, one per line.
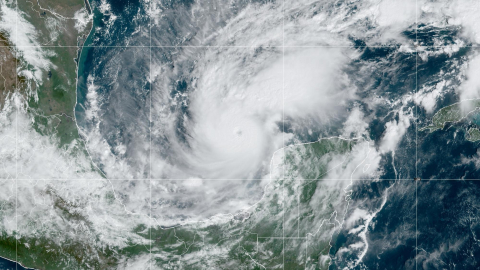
452, 13
250, 101
394, 16
101, 219
27, 154
427, 98
470, 89
241, 98
245, 83
395, 130
23, 35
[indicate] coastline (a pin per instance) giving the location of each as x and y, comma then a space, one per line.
11, 263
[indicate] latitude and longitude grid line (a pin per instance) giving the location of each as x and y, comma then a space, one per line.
185, 179
416, 133
212, 47
16, 143
283, 133
150, 220
246, 46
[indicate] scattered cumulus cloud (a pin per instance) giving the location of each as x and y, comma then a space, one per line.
25, 42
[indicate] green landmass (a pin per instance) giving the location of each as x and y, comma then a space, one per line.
53, 107
252, 239
51, 104
8, 74
452, 114
310, 161
473, 134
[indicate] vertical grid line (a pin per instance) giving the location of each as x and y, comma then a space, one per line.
150, 129
416, 224
283, 131
416, 132
416, 158
283, 128
298, 215
16, 139
416, 89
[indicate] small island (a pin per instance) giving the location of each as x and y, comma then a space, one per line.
473, 134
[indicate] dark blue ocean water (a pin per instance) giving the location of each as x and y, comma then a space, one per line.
106, 41
10, 265
418, 220
114, 57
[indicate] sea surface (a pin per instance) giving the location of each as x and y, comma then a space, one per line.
10, 265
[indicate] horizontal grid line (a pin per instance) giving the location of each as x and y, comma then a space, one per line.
277, 237
213, 47
256, 179
250, 46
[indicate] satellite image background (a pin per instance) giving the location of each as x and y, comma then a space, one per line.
235, 134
